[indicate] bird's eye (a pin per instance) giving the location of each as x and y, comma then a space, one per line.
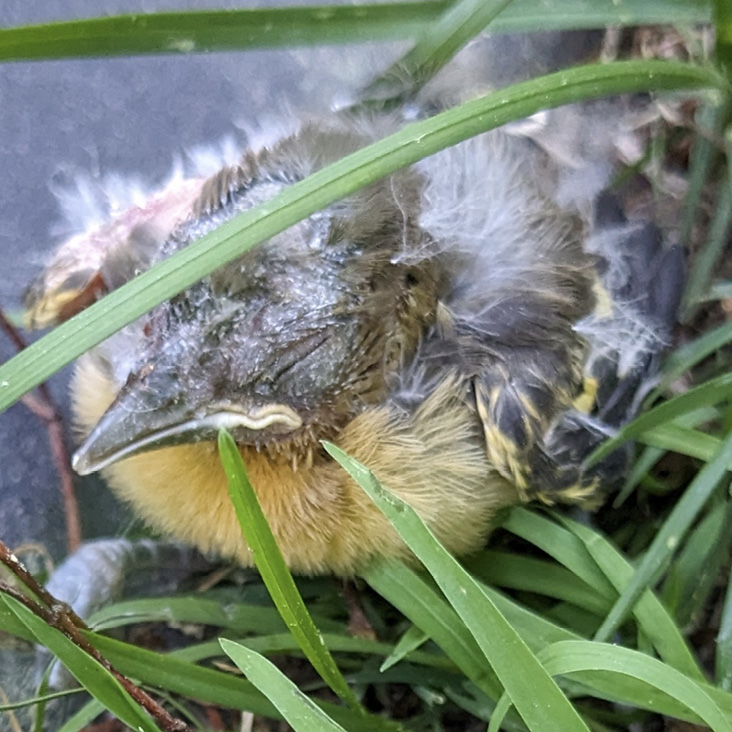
411, 279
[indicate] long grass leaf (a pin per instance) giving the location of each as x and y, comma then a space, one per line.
707, 258
429, 611
653, 618
432, 50
295, 707
571, 657
668, 538
690, 354
214, 687
541, 704
85, 716
561, 544
94, 677
409, 642
202, 31
695, 571
684, 440
723, 656
539, 633
528, 574
275, 574
710, 121
708, 393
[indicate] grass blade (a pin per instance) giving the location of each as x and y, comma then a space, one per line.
295, 707
724, 642
695, 571
215, 687
709, 120
225, 30
684, 440
429, 611
707, 259
596, 557
202, 31
85, 716
561, 544
528, 574
433, 49
539, 634
541, 704
709, 393
410, 641
276, 576
690, 354
575, 656
96, 679
673, 530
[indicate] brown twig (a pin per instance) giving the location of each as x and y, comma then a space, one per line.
60, 616
45, 409
20, 571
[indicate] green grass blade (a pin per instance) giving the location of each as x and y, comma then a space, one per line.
650, 455
85, 716
707, 259
47, 355
279, 643
541, 704
410, 641
96, 679
501, 710
706, 394
295, 707
591, 557
571, 657
642, 465
723, 657
40, 699
275, 574
561, 544
225, 30
684, 440
396, 582
695, 571
241, 617
653, 618
528, 574
429, 611
218, 30
165, 671
13, 625
709, 121
691, 354
723, 27
433, 49
668, 538
539, 633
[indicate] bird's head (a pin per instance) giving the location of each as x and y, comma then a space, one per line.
286, 344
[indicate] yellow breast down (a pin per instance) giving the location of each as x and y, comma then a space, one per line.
433, 458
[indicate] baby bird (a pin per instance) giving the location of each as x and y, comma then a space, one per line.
459, 327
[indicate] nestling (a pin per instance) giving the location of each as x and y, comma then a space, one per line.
459, 327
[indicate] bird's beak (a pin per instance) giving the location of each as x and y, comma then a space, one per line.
131, 426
